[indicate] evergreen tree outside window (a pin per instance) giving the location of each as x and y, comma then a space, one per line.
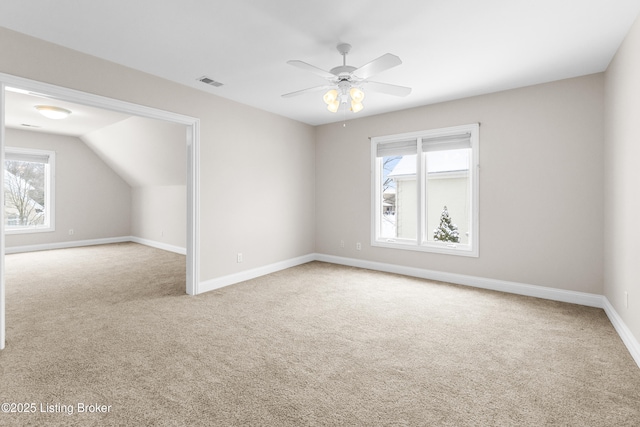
447, 231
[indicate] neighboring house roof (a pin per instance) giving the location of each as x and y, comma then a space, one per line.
11, 180
406, 167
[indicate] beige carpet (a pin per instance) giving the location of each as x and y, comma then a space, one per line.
317, 344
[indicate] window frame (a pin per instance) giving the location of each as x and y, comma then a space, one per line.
421, 243
49, 225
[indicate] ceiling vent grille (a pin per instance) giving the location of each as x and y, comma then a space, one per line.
210, 82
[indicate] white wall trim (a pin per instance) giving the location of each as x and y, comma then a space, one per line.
193, 207
64, 245
242, 276
623, 331
582, 298
159, 245
92, 242
2, 238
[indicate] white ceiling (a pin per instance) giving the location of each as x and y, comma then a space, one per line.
450, 49
22, 114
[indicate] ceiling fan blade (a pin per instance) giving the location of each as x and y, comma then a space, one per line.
308, 67
376, 66
389, 89
309, 90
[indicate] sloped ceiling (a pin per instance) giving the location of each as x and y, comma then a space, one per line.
143, 151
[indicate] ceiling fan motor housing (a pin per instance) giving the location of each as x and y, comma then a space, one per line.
342, 71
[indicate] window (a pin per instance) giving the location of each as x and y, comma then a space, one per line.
28, 190
425, 190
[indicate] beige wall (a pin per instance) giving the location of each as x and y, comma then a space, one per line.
257, 170
160, 214
541, 189
622, 181
151, 156
90, 198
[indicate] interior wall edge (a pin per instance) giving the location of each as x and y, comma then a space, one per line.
633, 345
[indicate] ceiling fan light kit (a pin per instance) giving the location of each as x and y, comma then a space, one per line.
345, 82
334, 97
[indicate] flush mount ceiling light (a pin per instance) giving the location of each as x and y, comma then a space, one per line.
346, 82
52, 112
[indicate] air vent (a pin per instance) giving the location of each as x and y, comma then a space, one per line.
210, 82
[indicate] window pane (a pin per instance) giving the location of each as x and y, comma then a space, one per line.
399, 197
448, 196
427, 201
24, 190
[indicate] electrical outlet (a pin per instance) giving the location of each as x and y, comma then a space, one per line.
358, 246
239, 257
342, 243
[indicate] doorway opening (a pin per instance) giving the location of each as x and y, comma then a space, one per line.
192, 141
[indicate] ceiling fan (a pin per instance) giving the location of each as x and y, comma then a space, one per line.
346, 82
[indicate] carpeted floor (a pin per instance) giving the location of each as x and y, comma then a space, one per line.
110, 328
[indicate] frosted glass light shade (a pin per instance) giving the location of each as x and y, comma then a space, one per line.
330, 96
356, 94
51, 112
334, 106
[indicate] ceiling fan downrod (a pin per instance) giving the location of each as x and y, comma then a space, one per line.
343, 71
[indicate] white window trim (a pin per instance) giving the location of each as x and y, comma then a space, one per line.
50, 194
470, 250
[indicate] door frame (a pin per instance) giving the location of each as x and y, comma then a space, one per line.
192, 139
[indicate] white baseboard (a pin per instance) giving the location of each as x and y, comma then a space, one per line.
582, 298
159, 245
91, 242
64, 245
231, 279
623, 331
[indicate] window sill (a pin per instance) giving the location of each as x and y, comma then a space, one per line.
459, 250
8, 230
